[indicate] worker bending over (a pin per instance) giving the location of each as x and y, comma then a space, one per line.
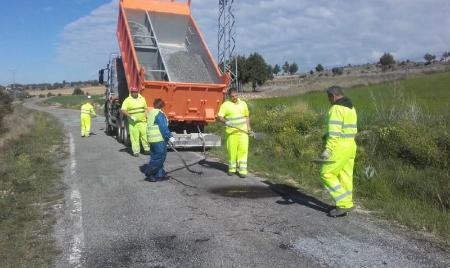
158, 134
135, 108
340, 149
87, 110
234, 113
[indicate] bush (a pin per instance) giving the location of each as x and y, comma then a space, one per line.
41, 96
337, 70
77, 91
50, 94
413, 144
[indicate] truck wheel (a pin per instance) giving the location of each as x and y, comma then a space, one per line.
126, 135
119, 130
109, 130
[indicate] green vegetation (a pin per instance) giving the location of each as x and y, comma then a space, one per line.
29, 187
403, 159
75, 102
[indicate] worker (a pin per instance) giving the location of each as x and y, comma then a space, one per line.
234, 114
135, 108
340, 150
87, 110
158, 135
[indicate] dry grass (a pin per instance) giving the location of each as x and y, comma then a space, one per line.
97, 90
17, 124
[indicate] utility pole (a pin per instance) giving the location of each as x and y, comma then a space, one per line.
226, 41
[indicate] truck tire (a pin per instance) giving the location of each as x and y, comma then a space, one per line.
126, 134
119, 130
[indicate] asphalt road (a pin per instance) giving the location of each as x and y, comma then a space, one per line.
111, 217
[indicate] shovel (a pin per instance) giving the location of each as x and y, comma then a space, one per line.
255, 135
323, 161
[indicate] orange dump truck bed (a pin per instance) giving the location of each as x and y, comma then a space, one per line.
165, 54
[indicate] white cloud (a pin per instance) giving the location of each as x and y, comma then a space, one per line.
86, 43
308, 32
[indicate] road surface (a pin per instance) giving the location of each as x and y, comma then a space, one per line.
111, 217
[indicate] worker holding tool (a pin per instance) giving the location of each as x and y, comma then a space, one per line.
159, 135
135, 108
87, 110
340, 150
234, 114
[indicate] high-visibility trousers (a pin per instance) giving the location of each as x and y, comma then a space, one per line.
138, 132
337, 177
237, 147
85, 125
155, 167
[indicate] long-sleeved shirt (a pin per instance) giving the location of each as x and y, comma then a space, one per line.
161, 121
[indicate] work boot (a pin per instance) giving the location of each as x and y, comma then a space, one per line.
150, 179
146, 152
136, 154
242, 175
339, 212
230, 173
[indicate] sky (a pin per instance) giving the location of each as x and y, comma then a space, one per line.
56, 40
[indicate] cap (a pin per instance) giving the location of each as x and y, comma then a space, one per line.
134, 89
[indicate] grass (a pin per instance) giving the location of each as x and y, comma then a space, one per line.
29, 187
75, 102
403, 158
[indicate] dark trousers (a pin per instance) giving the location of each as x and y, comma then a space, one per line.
155, 167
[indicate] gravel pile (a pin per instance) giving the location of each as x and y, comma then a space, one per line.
184, 66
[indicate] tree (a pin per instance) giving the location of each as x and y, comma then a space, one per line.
293, 68
257, 70
337, 70
243, 77
311, 72
276, 69
77, 91
386, 61
286, 67
319, 68
269, 72
429, 58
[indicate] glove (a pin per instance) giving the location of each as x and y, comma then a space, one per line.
251, 133
133, 118
325, 155
171, 140
228, 123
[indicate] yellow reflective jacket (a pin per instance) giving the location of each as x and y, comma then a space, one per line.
87, 110
236, 113
135, 107
342, 123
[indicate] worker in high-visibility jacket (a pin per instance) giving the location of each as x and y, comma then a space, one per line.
235, 114
340, 150
87, 110
135, 108
158, 135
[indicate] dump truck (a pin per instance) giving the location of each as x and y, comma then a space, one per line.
164, 54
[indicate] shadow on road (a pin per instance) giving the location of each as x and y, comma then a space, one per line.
213, 165
291, 195
126, 150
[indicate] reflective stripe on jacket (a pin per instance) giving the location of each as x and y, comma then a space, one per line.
87, 109
153, 132
235, 113
342, 125
136, 107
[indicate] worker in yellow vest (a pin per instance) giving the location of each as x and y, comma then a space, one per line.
135, 108
235, 114
158, 135
87, 110
340, 151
